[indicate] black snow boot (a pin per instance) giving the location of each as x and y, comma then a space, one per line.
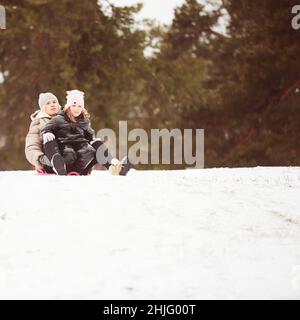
58, 165
126, 166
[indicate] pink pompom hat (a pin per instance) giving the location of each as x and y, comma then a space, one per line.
74, 97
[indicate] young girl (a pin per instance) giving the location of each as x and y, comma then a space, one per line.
73, 133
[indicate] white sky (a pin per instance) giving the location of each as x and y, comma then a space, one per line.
161, 10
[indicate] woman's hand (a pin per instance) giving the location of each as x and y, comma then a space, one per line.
44, 161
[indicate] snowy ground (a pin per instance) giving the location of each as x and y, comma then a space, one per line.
193, 234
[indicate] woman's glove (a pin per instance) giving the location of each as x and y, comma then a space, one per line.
44, 161
47, 137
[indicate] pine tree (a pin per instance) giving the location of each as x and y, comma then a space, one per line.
58, 45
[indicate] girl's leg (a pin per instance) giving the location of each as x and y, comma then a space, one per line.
85, 157
70, 157
102, 156
52, 152
106, 163
50, 149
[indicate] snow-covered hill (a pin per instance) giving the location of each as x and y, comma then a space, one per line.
193, 234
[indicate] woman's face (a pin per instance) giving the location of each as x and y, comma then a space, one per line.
52, 107
76, 110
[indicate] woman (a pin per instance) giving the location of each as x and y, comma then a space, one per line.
49, 107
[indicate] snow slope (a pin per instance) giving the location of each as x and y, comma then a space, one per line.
191, 234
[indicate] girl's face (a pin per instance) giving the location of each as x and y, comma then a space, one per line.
52, 107
76, 110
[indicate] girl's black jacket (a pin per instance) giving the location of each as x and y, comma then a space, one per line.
68, 132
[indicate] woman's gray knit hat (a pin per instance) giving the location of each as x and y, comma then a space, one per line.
45, 97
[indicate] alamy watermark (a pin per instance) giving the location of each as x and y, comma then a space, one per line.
187, 146
2, 17
296, 19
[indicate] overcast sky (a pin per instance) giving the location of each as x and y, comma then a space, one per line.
161, 10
